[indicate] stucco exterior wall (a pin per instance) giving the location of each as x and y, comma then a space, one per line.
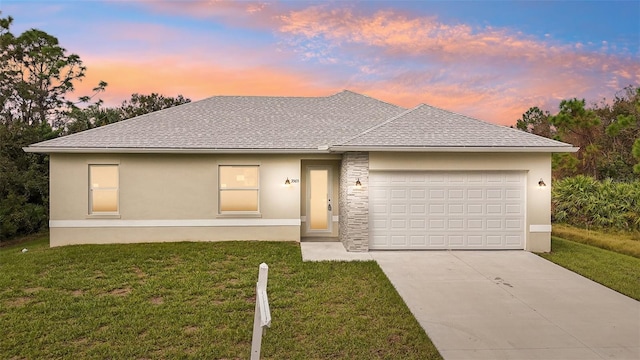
175, 197
171, 198
536, 166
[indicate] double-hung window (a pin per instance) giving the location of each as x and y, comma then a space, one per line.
103, 189
238, 189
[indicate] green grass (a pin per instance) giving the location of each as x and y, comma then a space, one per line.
196, 300
621, 242
616, 271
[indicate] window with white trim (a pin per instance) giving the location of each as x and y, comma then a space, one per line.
103, 189
238, 189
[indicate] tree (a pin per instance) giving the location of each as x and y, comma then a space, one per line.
24, 181
36, 75
81, 119
96, 115
605, 132
579, 126
536, 121
144, 104
621, 122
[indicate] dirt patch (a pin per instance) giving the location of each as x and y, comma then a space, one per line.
156, 300
220, 286
103, 328
33, 290
99, 274
190, 329
17, 302
120, 292
17, 358
394, 339
81, 341
139, 273
77, 293
195, 302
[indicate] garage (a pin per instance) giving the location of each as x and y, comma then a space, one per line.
425, 210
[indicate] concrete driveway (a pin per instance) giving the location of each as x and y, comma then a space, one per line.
512, 305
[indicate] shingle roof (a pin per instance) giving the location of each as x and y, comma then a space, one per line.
260, 123
427, 126
241, 122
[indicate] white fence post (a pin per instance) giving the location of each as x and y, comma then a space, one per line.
262, 316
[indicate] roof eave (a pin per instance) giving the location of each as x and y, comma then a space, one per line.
320, 150
85, 150
461, 149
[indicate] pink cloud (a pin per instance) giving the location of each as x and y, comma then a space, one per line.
494, 74
426, 37
514, 67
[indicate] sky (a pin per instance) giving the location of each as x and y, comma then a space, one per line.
491, 60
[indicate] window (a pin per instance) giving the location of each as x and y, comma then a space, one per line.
238, 189
103, 189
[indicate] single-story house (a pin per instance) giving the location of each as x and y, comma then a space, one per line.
370, 174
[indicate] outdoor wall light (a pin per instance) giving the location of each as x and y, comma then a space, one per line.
358, 183
541, 183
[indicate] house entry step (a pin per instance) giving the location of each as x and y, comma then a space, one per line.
319, 239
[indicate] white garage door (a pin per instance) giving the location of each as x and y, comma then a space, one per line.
446, 210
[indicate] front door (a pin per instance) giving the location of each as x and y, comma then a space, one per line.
319, 204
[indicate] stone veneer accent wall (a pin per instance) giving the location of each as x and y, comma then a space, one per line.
354, 202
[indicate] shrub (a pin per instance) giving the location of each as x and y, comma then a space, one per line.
586, 202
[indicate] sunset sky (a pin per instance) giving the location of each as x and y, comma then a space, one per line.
491, 60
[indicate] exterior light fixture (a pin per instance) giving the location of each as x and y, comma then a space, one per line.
287, 182
541, 183
358, 183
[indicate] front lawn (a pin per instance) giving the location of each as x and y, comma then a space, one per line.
196, 300
621, 242
616, 271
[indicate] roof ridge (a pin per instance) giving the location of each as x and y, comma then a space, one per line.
266, 97
382, 123
367, 96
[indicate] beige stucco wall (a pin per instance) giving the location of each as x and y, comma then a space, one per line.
173, 188
175, 197
536, 166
